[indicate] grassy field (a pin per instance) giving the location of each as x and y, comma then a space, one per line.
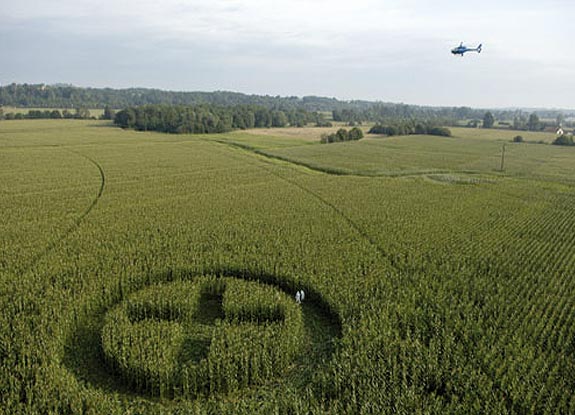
470, 151
503, 135
94, 112
149, 273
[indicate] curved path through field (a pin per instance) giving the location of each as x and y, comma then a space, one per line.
76, 224
377, 247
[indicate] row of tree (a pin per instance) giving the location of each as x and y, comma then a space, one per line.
342, 135
450, 116
79, 113
521, 122
68, 96
382, 113
56, 114
409, 127
203, 119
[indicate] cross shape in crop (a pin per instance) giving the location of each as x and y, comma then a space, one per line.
199, 330
199, 327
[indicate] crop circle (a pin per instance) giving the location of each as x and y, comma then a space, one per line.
190, 336
208, 335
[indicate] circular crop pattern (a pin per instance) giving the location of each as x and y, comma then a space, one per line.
187, 335
207, 334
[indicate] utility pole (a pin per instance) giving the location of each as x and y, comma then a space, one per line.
503, 157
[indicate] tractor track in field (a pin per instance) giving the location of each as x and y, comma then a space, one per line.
345, 217
384, 255
78, 221
334, 171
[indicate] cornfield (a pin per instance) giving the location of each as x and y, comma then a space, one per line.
143, 273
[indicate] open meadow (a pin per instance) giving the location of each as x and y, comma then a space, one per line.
147, 273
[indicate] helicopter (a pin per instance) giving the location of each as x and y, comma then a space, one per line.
460, 50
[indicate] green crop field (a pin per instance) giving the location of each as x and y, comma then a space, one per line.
146, 273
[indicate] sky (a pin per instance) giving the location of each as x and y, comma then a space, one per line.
385, 50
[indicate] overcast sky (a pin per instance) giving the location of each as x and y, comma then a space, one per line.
389, 50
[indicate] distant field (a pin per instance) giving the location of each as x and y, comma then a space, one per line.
502, 135
285, 137
149, 273
95, 112
469, 151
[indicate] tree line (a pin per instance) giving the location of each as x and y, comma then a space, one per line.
204, 119
356, 111
383, 113
56, 114
69, 96
449, 116
522, 122
410, 127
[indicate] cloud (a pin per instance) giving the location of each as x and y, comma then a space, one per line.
244, 42
294, 22
330, 25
